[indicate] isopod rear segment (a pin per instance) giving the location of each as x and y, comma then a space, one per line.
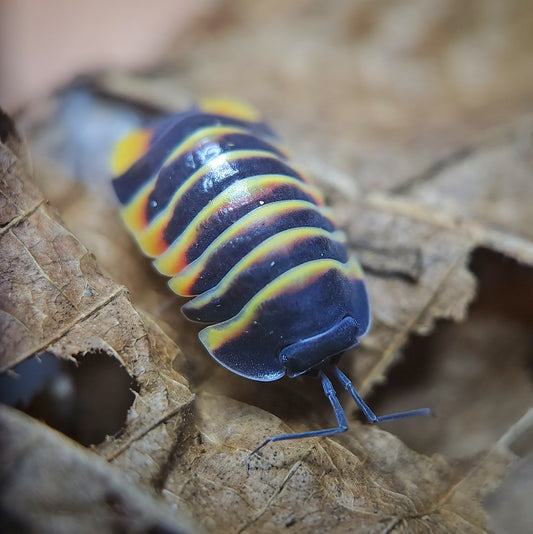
210, 195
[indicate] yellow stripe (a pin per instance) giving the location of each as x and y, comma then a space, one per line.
129, 149
267, 248
184, 279
131, 213
207, 132
230, 108
134, 212
356, 270
213, 337
149, 240
172, 260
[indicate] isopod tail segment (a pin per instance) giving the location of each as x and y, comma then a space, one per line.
329, 391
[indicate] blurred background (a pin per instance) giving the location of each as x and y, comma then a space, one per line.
44, 44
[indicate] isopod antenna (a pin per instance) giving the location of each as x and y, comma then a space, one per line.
329, 391
339, 414
369, 414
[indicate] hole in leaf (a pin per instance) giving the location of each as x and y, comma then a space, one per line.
476, 376
86, 400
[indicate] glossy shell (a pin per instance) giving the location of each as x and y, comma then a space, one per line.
211, 196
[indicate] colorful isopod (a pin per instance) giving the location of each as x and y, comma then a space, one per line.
209, 194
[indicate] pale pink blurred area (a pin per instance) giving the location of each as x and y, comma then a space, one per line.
44, 44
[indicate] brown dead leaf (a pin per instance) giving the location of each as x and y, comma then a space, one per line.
371, 484
55, 299
423, 166
52, 485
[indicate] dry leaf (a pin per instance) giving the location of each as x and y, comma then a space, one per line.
57, 486
55, 299
435, 182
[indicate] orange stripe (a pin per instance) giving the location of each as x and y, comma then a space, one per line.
260, 216
151, 237
175, 259
155, 246
251, 189
186, 289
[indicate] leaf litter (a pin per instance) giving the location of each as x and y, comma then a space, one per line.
193, 450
